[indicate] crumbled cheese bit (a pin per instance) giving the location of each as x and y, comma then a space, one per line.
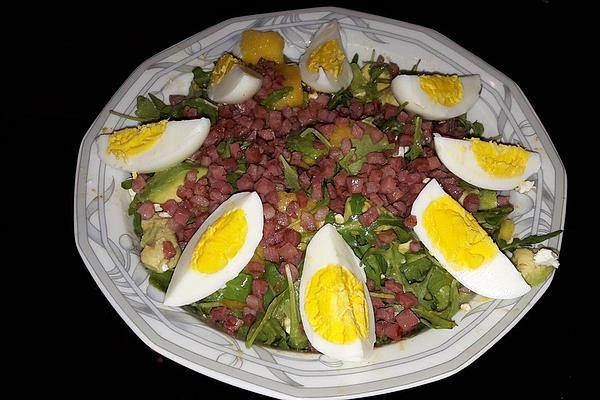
525, 186
426, 180
465, 307
157, 207
402, 150
339, 218
164, 267
313, 95
546, 257
164, 214
287, 325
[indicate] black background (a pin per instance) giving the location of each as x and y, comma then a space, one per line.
89, 54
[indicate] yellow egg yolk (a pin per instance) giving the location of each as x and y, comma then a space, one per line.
220, 242
335, 305
442, 89
328, 56
501, 160
256, 45
457, 235
131, 141
291, 75
222, 68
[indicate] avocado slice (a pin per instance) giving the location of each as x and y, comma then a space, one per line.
163, 185
155, 234
533, 273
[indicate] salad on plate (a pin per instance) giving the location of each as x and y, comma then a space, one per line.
326, 205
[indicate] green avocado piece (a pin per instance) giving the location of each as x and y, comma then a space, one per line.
155, 234
163, 185
532, 273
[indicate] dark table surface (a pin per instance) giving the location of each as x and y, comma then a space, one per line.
102, 47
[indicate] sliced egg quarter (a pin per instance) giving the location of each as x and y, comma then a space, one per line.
487, 165
232, 82
335, 306
153, 147
462, 247
437, 97
324, 65
218, 251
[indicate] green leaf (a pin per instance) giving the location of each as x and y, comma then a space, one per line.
357, 202
532, 239
137, 225
416, 267
304, 144
297, 339
262, 323
199, 83
127, 184
490, 219
433, 319
416, 149
439, 288
392, 125
275, 96
415, 66
341, 97
161, 280
375, 265
472, 128
238, 288
223, 148
275, 279
290, 174
146, 110
354, 160
203, 107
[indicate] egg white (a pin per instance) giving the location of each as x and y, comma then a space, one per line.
497, 279
457, 155
406, 88
179, 141
187, 285
179, 85
322, 80
325, 248
237, 86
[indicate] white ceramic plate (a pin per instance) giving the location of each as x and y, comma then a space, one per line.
109, 249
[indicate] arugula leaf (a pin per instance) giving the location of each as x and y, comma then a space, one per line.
238, 288
263, 323
341, 97
439, 288
532, 239
473, 128
223, 148
415, 66
433, 319
490, 219
416, 268
297, 339
356, 157
232, 177
199, 83
127, 183
356, 203
304, 144
275, 96
391, 125
146, 109
137, 225
375, 265
416, 149
290, 174
161, 280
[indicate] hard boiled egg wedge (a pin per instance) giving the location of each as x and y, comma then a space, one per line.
487, 165
153, 147
218, 251
231, 82
335, 306
437, 97
324, 65
462, 247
